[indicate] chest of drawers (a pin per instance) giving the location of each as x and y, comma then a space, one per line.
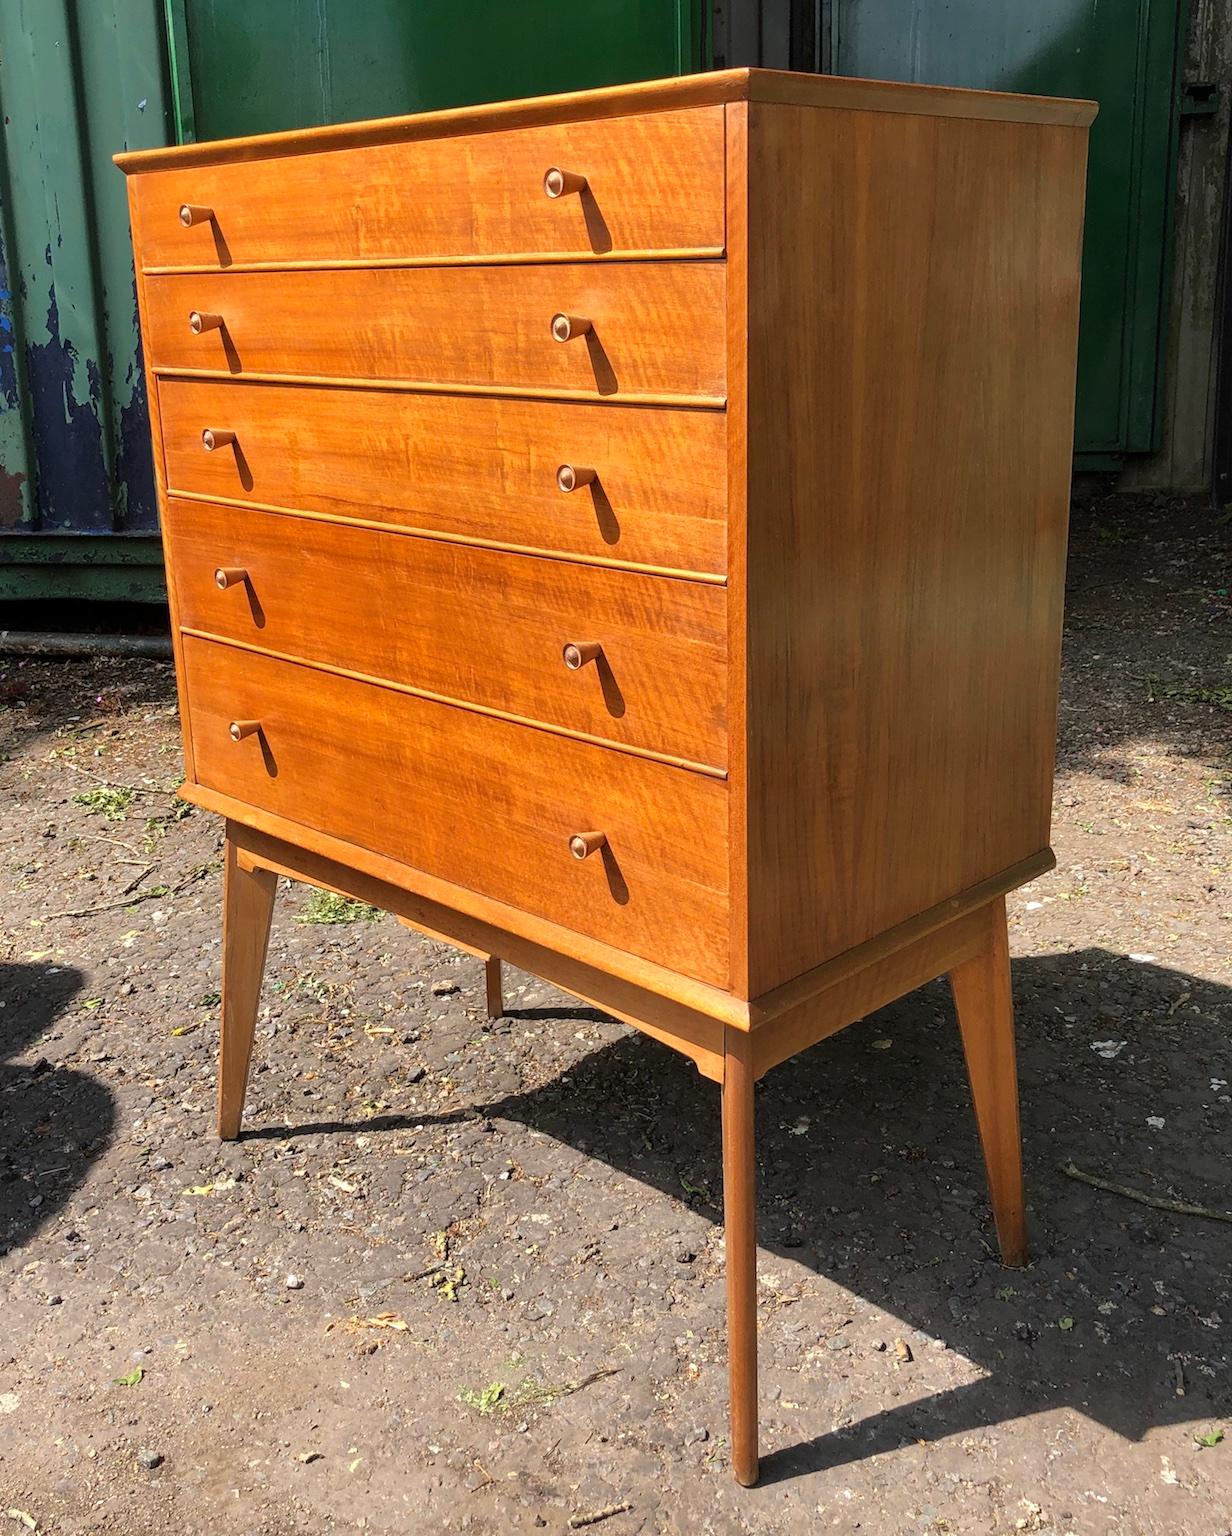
624, 533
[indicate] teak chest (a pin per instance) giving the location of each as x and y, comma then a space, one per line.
624, 533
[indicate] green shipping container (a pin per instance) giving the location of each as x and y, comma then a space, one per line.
1126, 55
80, 79
241, 68
77, 508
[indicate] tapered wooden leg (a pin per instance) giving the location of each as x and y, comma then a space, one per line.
248, 906
496, 994
985, 1007
740, 1233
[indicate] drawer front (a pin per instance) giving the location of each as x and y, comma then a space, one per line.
476, 625
657, 328
480, 467
475, 800
652, 183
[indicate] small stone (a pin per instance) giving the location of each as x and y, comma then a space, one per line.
294, 1283
149, 1460
698, 1435
902, 1352
684, 1254
836, 1341
445, 988
880, 1346
506, 1294
55, 1301
415, 1075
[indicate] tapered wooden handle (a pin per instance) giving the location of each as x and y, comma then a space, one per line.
201, 320
583, 844
216, 437
230, 576
238, 729
578, 652
195, 213
558, 183
567, 327
569, 477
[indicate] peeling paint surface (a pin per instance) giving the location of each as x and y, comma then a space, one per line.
79, 80
74, 489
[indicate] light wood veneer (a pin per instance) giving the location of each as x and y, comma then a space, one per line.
474, 467
624, 533
657, 328
472, 625
407, 202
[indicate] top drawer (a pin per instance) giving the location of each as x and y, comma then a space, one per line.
652, 183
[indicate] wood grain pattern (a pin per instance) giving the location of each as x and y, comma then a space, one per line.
909, 443
736, 421
475, 625
248, 907
985, 1006
469, 621
658, 327
740, 1251
606, 978
717, 87
475, 466
475, 800
652, 182
851, 992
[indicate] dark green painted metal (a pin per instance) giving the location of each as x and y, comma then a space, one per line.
1126, 55
79, 79
116, 567
244, 68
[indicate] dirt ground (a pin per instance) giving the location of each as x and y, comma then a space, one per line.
467, 1276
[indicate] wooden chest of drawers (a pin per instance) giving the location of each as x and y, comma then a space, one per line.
624, 533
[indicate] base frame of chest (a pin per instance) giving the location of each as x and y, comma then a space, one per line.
967, 941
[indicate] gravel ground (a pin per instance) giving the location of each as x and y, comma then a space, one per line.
467, 1276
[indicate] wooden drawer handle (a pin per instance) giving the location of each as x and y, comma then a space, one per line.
216, 437
558, 183
578, 652
200, 320
570, 477
195, 213
230, 576
238, 729
567, 327
583, 844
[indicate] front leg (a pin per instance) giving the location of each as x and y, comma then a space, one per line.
248, 908
985, 1007
740, 1241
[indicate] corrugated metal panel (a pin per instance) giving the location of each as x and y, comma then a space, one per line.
79, 79
1123, 53
244, 69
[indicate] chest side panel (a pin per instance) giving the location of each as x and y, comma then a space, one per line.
912, 316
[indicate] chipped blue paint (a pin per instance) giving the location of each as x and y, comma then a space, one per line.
73, 486
134, 464
74, 425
